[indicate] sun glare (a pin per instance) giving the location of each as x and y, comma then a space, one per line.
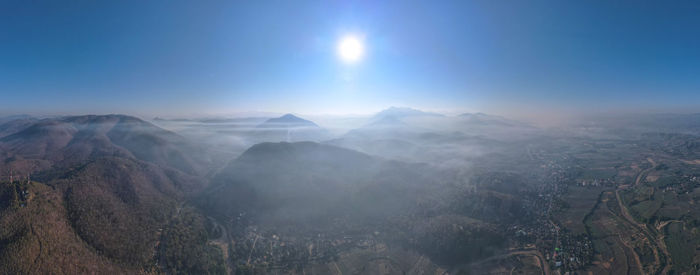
350, 49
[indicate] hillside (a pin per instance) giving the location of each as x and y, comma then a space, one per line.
289, 128
69, 141
111, 209
296, 190
107, 195
312, 176
40, 239
11, 125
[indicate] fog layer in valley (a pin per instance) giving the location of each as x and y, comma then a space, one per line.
401, 191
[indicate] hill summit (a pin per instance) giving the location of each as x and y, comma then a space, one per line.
287, 121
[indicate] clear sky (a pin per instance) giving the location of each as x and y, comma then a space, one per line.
171, 57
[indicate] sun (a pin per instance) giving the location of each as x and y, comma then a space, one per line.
350, 49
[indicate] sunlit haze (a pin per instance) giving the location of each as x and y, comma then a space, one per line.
348, 57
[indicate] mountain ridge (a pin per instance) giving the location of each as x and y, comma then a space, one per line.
74, 139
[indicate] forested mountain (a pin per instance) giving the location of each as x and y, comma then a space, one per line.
71, 140
104, 188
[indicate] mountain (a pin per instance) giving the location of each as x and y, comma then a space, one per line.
11, 126
15, 117
394, 120
412, 135
107, 197
287, 121
304, 191
397, 117
402, 112
289, 128
72, 140
273, 177
106, 215
40, 239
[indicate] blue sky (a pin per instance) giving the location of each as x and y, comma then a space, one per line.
180, 57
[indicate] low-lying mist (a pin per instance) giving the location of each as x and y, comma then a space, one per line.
400, 190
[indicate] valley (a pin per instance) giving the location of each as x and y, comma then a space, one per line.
128, 196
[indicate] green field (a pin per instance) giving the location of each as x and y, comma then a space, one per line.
682, 243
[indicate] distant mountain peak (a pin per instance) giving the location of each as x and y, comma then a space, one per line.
289, 117
288, 120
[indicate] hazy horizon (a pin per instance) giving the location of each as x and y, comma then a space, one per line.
541, 118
